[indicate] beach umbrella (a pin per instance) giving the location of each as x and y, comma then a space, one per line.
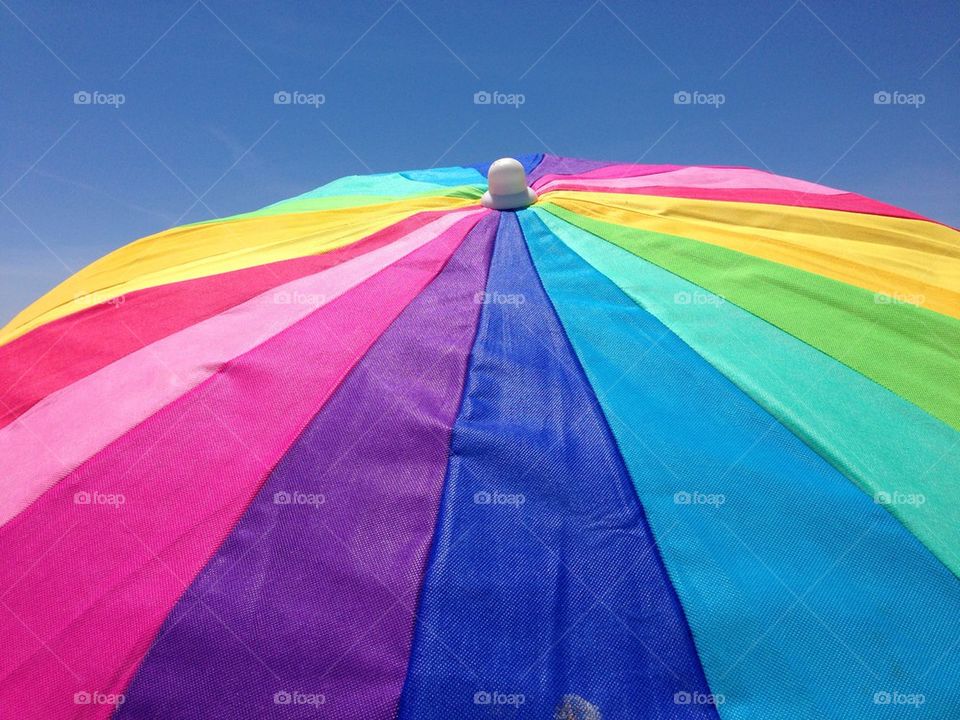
546, 438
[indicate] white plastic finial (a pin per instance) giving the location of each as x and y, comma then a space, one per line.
507, 187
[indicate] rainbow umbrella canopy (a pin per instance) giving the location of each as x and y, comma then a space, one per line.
669, 442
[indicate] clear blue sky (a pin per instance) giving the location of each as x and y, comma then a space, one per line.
398, 78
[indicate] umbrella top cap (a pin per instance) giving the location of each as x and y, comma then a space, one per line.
507, 186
